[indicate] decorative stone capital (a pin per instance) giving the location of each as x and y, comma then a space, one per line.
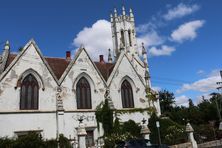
189, 128
145, 130
81, 131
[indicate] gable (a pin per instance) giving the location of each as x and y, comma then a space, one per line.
82, 62
124, 67
29, 57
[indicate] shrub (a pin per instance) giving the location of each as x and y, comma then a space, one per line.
167, 131
34, 140
64, 142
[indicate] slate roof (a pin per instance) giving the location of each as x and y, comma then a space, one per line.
105, 69
11, 57
59, 65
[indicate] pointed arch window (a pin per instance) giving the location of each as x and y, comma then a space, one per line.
127, 95
83, 92
130, 40
122, 37
29, 94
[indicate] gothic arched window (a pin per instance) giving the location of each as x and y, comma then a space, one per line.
83, 94
122, 37
29, 94
127, 95
130, 40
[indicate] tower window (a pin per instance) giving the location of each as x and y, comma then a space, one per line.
127, 95
29, 93
130, 40
83, 92
122, 37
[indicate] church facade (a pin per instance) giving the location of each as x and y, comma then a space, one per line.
49, 95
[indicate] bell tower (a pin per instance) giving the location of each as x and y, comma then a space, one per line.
123, 32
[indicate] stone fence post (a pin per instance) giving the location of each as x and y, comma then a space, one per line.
145, 131
191, 139
81, 132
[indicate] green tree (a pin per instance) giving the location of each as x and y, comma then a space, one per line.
170, 131
167, 101
190, 103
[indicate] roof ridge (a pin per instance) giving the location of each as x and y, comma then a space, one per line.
54, 57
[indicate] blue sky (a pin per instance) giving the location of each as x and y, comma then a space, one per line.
183, 37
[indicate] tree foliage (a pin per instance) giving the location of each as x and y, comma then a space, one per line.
170, 131
115, 131
200, 116
167, 101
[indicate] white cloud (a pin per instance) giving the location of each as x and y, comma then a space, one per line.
150, 39
180, 11
148, 27
164, 50
96, 39
182, 101
203, 85
187, 31
148, 35
200, 72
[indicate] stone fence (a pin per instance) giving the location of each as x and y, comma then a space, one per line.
211, 144
183, 145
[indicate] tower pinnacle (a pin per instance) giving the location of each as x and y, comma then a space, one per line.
115, 12
131, 15
111, 17
123, 11
7, 45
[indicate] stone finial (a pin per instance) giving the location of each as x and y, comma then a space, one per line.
131, 12
115, 12
110, 60
143, 49
111, 17
7, 45
189, 128
147, 75
131, 15
123, 10
144, 53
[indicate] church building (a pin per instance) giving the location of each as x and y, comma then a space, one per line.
49, 95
